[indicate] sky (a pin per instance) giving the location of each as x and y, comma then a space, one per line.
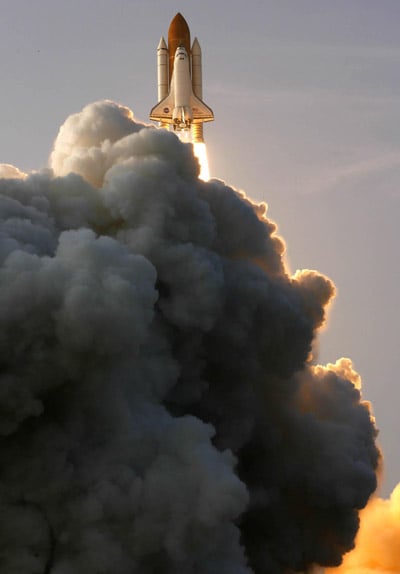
304, 94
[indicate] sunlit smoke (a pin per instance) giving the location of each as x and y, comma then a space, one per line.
11, 172
200, 151
377, 549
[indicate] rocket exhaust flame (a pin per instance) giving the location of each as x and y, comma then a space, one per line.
158, 410
200, 151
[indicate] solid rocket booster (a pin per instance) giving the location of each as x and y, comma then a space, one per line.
180, 86
162, 69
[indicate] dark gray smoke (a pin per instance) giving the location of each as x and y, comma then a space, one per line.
159, 409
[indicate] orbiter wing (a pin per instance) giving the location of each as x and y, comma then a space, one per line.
162, 112
201, 112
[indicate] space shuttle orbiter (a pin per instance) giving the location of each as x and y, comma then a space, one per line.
180, 82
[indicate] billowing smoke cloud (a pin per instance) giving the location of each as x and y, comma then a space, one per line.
159, 408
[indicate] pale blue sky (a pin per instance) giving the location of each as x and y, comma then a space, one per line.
305, 95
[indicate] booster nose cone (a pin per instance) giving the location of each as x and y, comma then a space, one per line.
162, 45
178, 35
196, 50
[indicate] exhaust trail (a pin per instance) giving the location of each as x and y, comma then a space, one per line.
160, 407
200, 151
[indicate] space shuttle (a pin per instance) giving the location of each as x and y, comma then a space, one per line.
180, 82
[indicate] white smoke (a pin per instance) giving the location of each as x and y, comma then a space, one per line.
158, 408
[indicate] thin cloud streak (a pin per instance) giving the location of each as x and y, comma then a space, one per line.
355, 171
